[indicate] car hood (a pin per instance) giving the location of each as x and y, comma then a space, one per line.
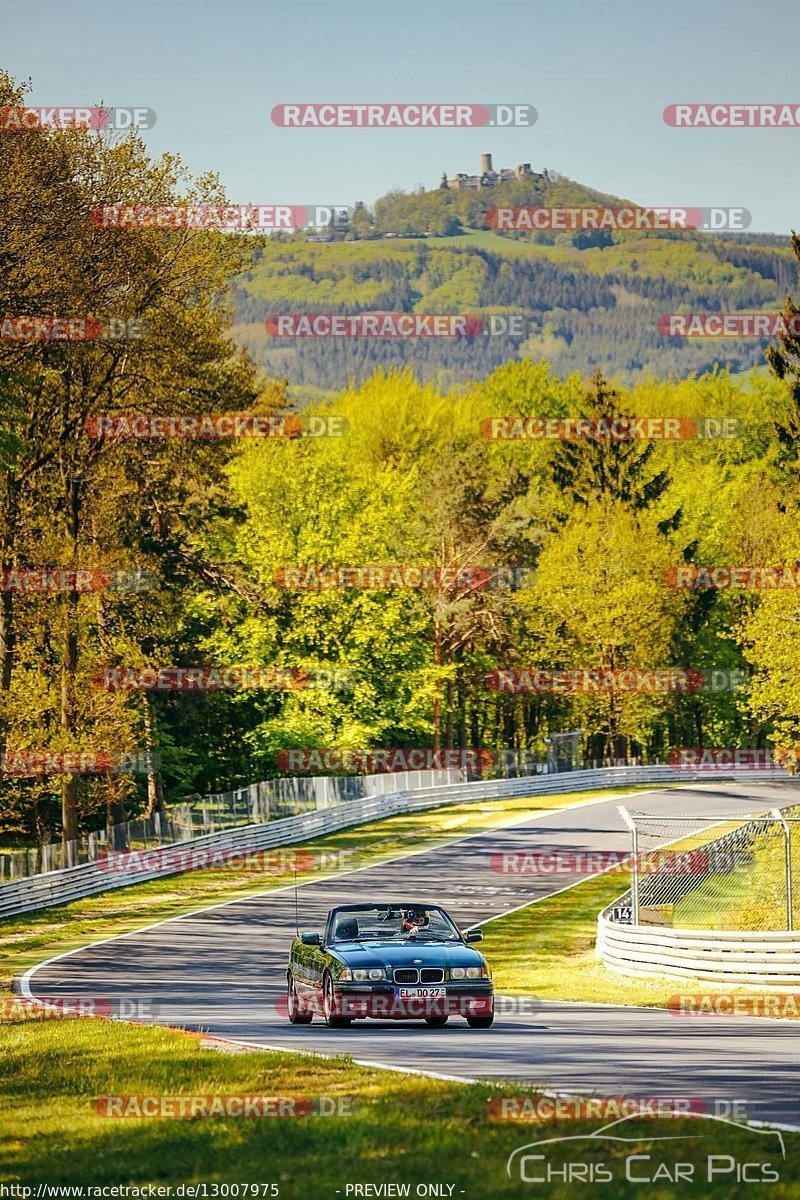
403, 954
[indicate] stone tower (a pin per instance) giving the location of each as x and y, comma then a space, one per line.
486, 164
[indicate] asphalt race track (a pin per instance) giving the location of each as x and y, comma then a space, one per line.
223, 970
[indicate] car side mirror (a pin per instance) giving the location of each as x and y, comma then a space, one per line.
473, 935
311, 939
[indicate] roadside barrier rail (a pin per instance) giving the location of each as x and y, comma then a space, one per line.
92, 878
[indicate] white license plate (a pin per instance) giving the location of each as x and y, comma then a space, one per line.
420, 993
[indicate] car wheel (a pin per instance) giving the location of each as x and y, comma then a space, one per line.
298, 1013
436, 1022
480, 1022
333, 1019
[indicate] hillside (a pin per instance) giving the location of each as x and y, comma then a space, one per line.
588, 299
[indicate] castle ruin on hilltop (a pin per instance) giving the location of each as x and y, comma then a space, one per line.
488, 177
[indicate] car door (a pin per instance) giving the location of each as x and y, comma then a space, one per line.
319, 960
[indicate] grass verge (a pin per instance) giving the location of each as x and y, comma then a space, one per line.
547, 949
401, 1129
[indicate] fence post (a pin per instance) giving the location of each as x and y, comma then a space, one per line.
787, 842
630, 823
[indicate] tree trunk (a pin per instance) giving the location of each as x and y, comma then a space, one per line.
155, 791
437, 695
116, 834
69, 667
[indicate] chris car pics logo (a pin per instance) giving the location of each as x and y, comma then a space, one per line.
626, 1150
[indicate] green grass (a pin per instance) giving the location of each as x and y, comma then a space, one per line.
30, 938
751, 896
400, 1128
547, 950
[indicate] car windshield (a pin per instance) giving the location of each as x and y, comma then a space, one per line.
391, 923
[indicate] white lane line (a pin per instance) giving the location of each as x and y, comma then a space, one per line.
361, 1062
290, 887
465, 1079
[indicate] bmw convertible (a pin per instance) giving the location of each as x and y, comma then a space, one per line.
389, 962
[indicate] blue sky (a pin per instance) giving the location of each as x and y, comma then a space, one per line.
599, 75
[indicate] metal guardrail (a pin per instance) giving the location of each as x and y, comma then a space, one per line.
719, 956
89, 879
257, 803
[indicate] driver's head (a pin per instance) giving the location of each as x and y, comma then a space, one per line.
414, 918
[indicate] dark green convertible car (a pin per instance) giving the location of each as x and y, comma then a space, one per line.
390, 962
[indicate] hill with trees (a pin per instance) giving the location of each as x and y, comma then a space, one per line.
586, 299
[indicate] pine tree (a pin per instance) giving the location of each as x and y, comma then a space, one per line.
606, 467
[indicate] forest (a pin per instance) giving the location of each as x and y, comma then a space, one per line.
572, 546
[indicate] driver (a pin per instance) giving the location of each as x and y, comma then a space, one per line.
414, 921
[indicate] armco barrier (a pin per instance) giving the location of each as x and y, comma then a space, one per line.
771, 959
89, 879
267, 800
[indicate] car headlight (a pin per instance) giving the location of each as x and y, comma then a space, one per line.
457, 972
346, 973
474, 972
362, 973
377, 973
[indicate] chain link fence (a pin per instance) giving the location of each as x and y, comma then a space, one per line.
196, 816
743, 879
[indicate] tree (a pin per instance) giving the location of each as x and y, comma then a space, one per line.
598, 602
605, 466
169, 282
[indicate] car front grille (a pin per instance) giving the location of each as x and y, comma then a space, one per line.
406, 975
412, 975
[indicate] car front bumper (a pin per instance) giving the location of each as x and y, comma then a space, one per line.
381, 1002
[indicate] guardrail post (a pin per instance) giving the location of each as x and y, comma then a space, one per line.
631, 824
787, 843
